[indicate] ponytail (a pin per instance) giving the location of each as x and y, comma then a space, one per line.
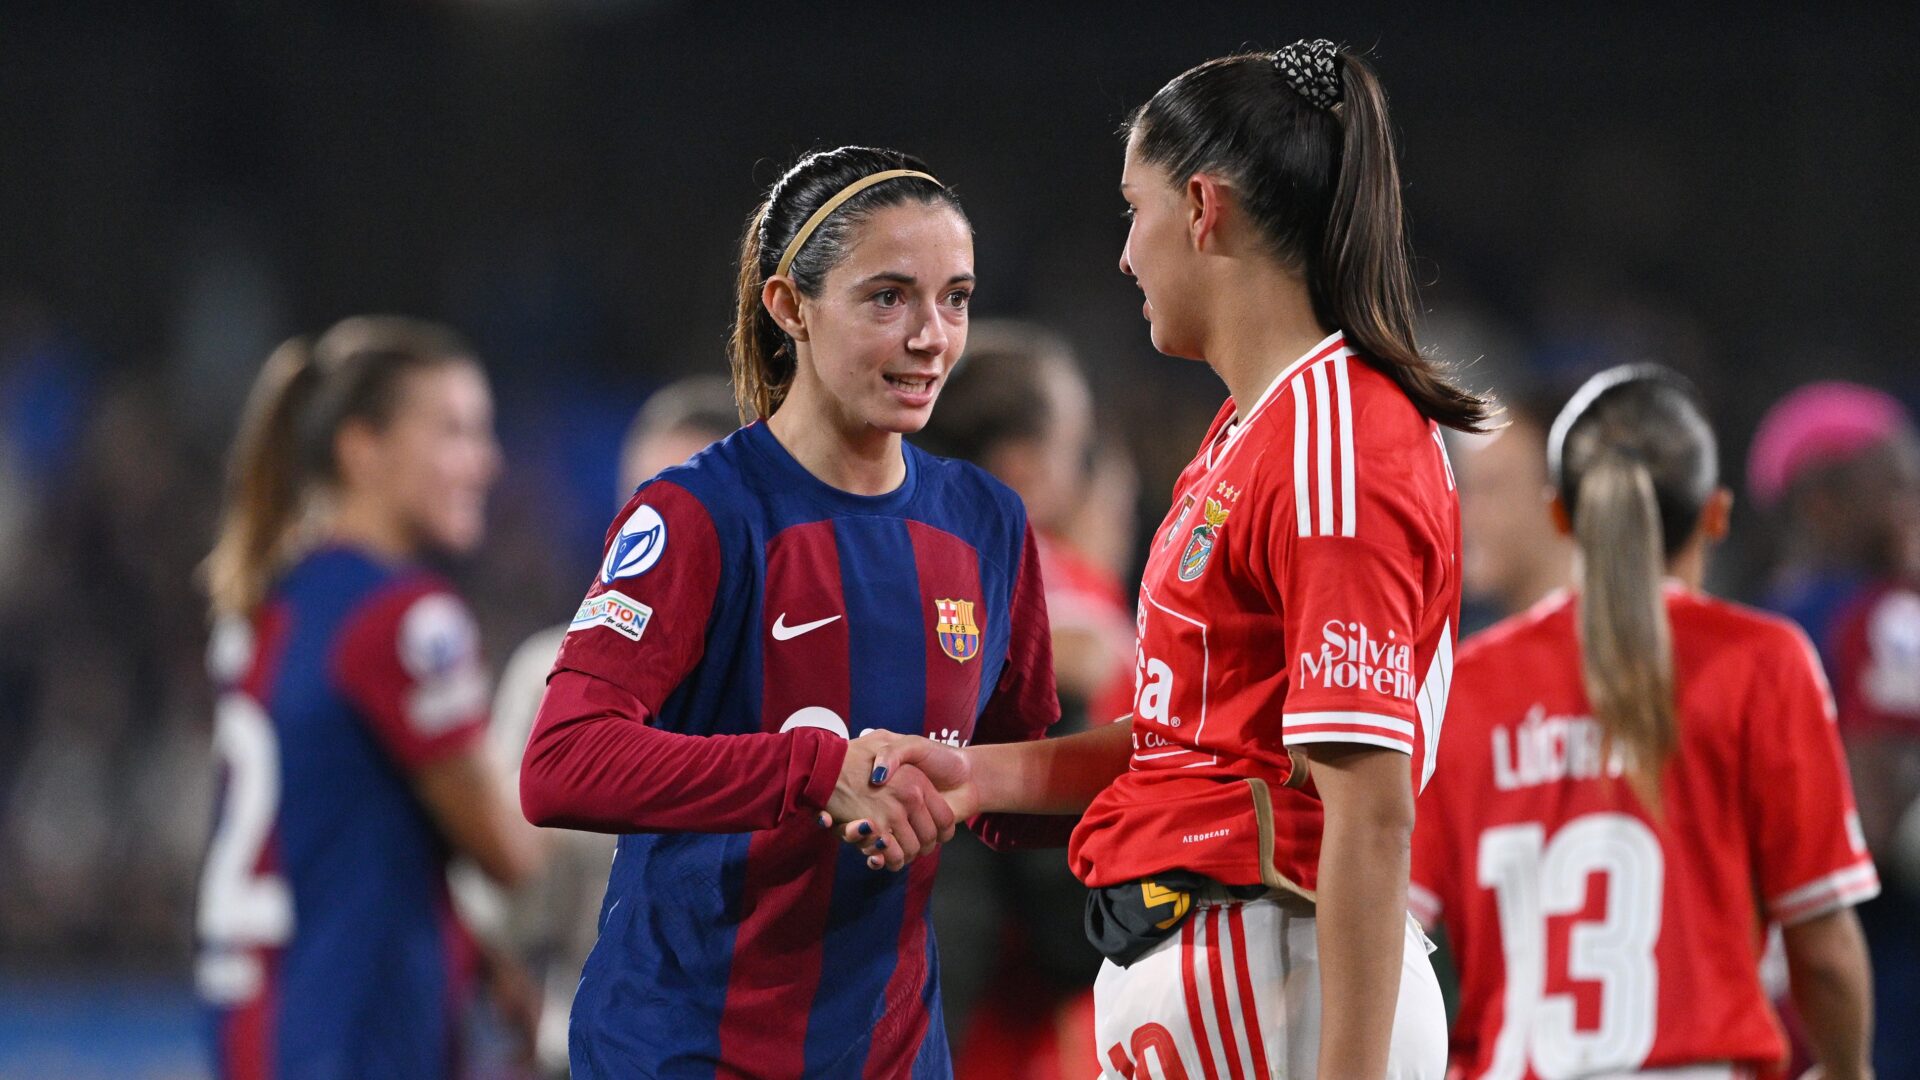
1303, 135
758, 353
304, 394
1626, 644
1364, 284
1634, 462
265, 481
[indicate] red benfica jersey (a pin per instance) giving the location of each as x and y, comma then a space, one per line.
1302, 589
1593, 936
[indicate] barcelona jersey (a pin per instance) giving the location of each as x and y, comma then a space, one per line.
328, 947
746, 620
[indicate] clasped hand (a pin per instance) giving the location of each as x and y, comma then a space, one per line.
899, 797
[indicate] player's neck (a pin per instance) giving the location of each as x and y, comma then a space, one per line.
363, 523
1259, 326
1550, 569
862, 461
1689, 565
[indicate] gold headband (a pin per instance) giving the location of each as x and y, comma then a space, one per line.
828, 207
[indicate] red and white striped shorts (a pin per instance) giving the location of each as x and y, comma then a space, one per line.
1235, 995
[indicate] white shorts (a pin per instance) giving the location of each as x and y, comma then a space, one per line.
1235, 995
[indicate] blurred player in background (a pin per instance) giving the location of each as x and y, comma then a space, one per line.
1248, 858
1018, 405
1636, 779
806, 581
1839, 464
548, 923
351, 711
1512, 553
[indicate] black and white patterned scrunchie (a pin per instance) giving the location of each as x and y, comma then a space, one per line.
1312, 69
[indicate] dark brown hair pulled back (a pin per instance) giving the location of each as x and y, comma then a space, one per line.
284, 448
760, 353
1323, 184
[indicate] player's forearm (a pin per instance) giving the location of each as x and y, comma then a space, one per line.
1360, 917
1049, 776
1832, 987
593, 763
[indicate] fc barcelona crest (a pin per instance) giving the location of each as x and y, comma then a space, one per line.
959, 637
1193, 561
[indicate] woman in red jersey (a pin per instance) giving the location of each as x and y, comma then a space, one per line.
1636, 780
1247, 834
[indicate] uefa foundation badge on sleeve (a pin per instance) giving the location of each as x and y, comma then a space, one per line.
614, 610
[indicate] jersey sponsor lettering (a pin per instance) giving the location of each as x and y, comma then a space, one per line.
1153, 691
1353, 657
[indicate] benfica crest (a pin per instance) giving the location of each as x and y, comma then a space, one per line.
959, 637
1193, 561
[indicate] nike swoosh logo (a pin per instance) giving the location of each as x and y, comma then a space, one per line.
783, 632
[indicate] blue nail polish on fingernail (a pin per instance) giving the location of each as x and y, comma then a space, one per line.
880, 844
866, 829
879, 775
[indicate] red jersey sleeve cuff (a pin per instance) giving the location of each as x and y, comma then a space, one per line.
1841, 889
1370, 729
817, 757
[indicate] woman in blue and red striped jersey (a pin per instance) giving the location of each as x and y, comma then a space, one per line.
351, 707
807, 580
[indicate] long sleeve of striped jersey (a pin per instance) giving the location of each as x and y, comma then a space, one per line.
594, 763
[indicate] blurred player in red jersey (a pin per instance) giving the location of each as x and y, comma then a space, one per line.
352, 707
1636, 779
1247, 837
759, 615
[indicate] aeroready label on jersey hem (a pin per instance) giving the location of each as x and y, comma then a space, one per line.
614, 610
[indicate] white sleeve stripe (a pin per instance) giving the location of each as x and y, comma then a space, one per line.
1433, 700
1844, 899
1335, 735
1323, 445
1360, 719
1301, 510
1424, 903
1862, 869
1842, 888
1446, 462
1346, 442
